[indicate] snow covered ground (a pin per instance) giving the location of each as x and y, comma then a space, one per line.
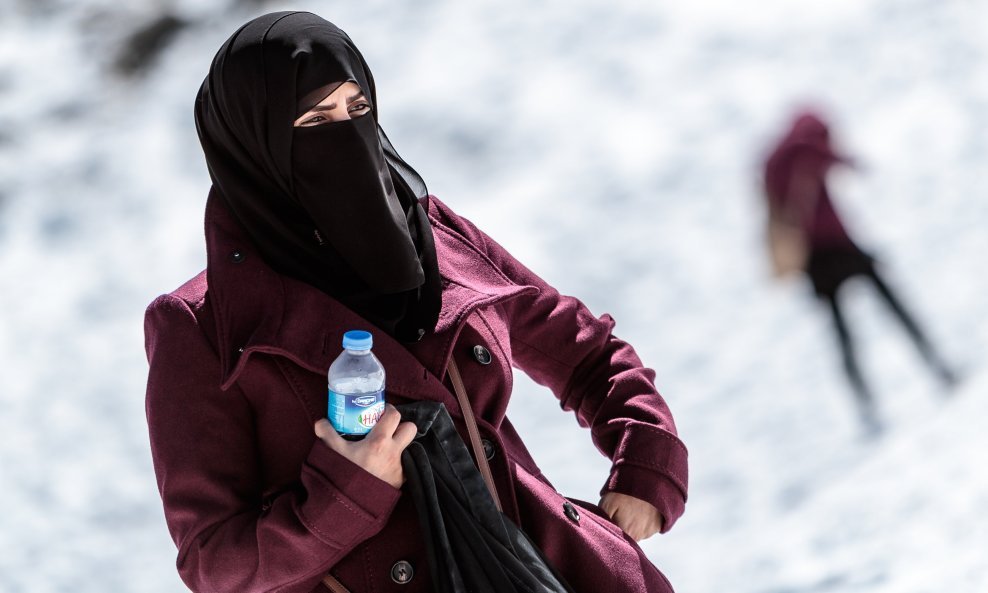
611, 145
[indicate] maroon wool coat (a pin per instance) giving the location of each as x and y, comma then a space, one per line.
254, 502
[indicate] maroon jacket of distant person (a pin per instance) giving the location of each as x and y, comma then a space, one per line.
796, 182
254, 502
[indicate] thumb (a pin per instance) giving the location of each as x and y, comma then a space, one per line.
325, 431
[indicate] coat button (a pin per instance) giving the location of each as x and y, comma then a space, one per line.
488, 448
237, 256
571, 512
402, 572
483, 355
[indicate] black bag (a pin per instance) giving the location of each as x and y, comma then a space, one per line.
472, 546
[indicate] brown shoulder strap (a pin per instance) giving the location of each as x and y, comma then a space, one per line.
474, 432
334, 585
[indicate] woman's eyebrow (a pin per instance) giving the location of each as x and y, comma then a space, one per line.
332, 106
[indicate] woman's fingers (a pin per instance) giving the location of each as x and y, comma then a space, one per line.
327, 434
622, 520
632, 524
380, 452
638, 528
389, 426
405, 434
386, 424
638, 518
321, 427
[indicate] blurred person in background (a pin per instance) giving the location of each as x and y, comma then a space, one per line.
314, 226
806, 235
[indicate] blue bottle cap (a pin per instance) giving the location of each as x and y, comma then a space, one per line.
358, 340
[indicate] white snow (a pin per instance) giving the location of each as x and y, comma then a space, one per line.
614, 148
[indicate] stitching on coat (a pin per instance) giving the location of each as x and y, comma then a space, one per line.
456, 236
665, 435
362, 514
564, 395
441, 352
211, 345
291, 584
545, 354
472, 307
325, 537
213, 342
220, 334
309, 523
533, 471
293, 382
367, 569
507, 357
652, 465
291, 379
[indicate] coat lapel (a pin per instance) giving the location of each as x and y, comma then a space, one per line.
260, 311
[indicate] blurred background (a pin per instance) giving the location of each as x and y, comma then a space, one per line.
613, 146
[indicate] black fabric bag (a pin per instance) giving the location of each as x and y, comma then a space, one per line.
472, 546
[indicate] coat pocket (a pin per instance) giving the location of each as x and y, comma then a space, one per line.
598, 515
591, 552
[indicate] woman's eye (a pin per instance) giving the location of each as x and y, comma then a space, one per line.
316, 119
359, 108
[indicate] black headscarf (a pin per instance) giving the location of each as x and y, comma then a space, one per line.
332, 204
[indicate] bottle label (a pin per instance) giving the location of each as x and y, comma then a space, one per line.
355, 414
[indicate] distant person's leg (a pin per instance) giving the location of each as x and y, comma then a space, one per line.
863, 396
923, 344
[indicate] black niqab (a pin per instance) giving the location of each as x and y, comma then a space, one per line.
332, 204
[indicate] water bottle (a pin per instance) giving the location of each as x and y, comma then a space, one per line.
356, 387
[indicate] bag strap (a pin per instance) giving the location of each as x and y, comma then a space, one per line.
472, 430
334, 585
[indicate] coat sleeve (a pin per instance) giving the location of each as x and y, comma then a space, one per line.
202, 442
558, 342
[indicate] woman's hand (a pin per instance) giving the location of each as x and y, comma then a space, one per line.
380, 451
637, 518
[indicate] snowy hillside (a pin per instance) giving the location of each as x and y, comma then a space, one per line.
916, 500
613, 146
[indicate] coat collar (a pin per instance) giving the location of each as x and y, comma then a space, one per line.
257, 310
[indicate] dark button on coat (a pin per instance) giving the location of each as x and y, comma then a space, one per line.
483, 355
489, 450
571, 512
254, 502
402, 572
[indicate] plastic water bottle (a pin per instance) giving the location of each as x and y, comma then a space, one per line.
356, 387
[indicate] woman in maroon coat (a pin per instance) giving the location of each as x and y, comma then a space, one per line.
314, 226
796, 188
